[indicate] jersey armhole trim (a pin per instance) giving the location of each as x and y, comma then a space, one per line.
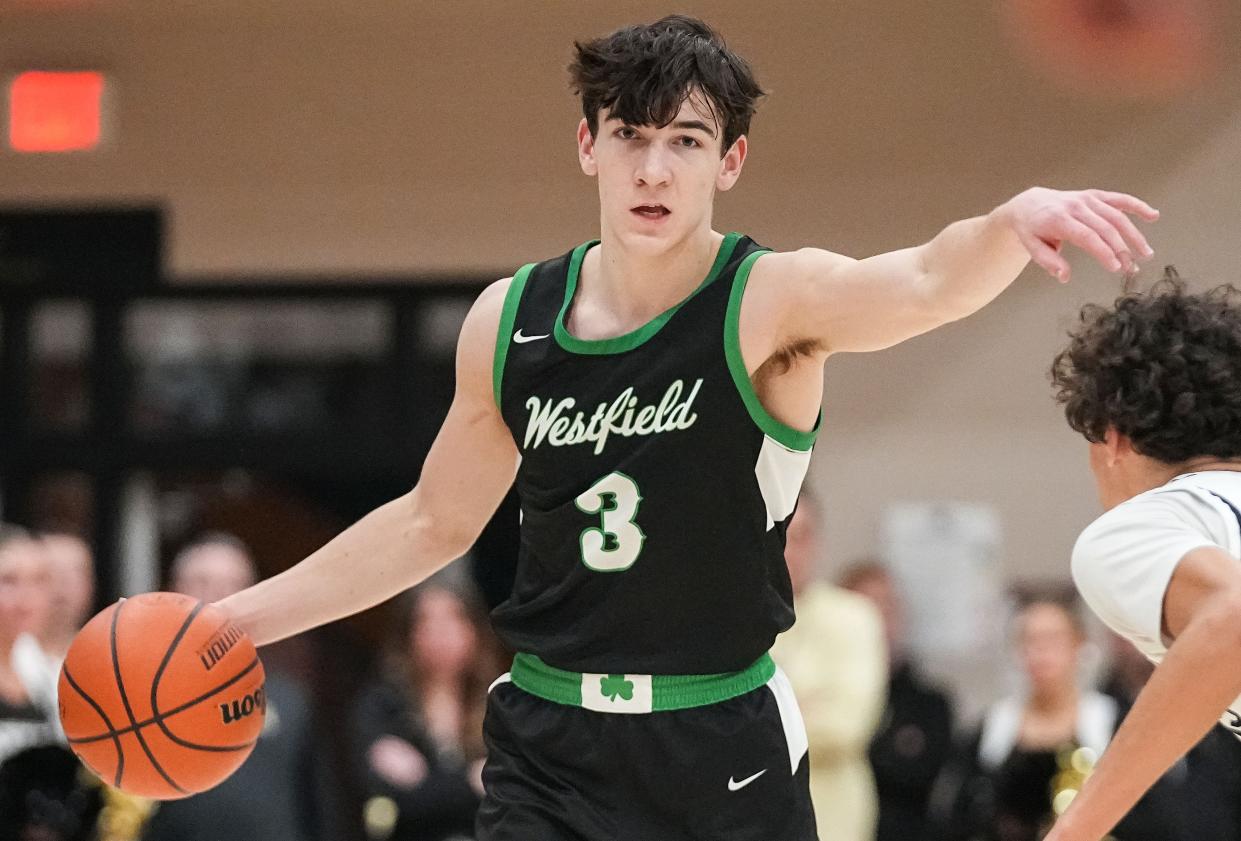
782, 433
504, 336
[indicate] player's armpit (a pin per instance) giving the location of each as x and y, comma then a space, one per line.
1204, 573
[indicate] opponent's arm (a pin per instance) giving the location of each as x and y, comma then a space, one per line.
467, 472
1197, 680
840, 304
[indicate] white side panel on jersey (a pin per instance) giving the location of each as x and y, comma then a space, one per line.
780, 472
790, 716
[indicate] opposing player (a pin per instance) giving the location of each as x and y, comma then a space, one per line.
656, 395
1154, 383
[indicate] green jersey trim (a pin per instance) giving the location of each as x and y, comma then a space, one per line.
504, 337
668, 692
634, 338
794, 439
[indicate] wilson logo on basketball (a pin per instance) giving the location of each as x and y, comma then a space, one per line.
242, 707
219, 645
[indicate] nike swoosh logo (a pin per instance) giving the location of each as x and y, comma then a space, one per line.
733, 785
521, 340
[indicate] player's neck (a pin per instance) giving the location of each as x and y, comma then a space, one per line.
1052, 699
1157, 474
57, 641
639, 285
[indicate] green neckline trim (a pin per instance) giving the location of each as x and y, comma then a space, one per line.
504, 336
782, 433
634, 338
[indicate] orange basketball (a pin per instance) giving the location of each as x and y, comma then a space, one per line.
161, 695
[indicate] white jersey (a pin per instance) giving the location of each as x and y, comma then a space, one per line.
1124, 560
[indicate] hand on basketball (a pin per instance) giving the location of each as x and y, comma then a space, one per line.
1096, 221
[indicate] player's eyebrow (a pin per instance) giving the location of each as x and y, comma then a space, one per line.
695, 124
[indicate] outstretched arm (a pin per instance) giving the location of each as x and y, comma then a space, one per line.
837, 304
1189, 691
467, 472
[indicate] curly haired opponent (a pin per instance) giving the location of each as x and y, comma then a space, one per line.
1154, 383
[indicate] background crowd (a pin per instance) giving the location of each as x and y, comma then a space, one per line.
890, 761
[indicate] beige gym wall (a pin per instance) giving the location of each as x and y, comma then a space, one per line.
320, 137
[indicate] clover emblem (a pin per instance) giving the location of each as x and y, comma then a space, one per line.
616, 685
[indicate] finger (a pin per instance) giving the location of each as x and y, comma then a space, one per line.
1136, 240
1107, 232
1085, 238
1128, 203
1046, 256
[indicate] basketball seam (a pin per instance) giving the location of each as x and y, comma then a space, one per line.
116, 738
159, 673
177, 710
120, 684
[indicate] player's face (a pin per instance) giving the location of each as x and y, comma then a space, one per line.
25, 588
442, 638
1049, 646
214, 572
73, 577
657, 184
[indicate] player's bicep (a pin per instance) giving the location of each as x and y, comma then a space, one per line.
1204, 572
848, 305
473, 461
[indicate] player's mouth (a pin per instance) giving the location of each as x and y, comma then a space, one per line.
652, 212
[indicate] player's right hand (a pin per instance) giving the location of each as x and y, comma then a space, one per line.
1096, 221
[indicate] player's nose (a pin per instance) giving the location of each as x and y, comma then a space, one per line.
653, 166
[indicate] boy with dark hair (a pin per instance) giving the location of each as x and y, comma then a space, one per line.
1154, 383
655, 396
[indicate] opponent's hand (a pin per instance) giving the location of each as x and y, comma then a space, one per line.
1096, 221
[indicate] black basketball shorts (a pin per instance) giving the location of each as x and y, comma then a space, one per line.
636, 758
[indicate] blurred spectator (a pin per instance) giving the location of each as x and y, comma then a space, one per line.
277, 794
835, 659
914, 741
73, 590
45, 797
1035, 748
417, 730
26, 709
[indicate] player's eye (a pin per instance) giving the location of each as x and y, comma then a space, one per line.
626, 133
688, 142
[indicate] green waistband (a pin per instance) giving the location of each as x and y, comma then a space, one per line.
629, 693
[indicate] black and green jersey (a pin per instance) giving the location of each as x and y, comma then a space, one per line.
654, 487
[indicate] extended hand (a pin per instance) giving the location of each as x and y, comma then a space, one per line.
1096, 221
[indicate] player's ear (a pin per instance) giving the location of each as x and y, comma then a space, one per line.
731, 163
586, 149
1116, 446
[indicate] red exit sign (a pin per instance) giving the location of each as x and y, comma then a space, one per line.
55, 111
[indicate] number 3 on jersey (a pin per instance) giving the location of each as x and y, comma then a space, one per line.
616, 544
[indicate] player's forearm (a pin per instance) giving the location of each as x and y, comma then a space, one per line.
387, 551
969, 263
1198, 679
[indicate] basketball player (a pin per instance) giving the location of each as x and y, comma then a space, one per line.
1154, 383
655, 395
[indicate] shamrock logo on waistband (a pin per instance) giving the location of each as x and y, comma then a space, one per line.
614, 685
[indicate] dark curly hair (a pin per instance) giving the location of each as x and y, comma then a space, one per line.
642, 74
1163, 368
